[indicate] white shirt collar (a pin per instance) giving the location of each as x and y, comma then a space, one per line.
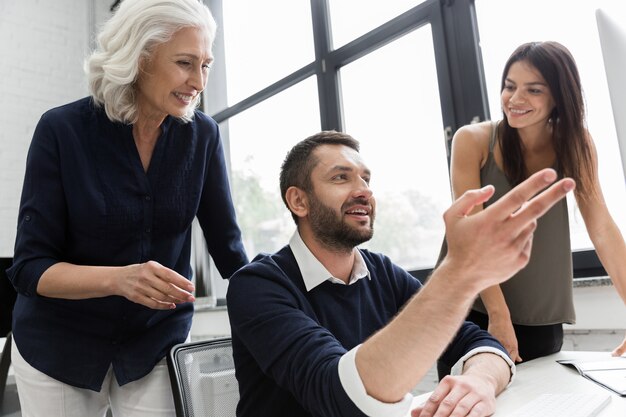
314, 273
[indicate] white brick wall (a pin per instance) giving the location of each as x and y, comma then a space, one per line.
42, 48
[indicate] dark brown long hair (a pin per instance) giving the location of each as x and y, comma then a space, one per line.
569, 138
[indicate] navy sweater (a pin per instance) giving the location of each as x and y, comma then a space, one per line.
287, 343
87, 200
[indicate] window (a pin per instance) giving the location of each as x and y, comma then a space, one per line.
353, 18
257, 35
577, 30
391, 104
389, 98
259, 140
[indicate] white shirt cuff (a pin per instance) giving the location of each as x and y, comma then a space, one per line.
457, 369
353, 385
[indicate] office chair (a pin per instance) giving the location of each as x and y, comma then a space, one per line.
5, 363
7, 300
203, 378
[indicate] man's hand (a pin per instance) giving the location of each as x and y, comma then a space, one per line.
472, 394
459, 396
490, 246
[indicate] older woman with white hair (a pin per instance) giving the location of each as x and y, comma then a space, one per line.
113, 182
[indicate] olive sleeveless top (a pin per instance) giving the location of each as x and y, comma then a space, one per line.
541, 293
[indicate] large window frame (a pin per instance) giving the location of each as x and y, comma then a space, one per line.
461, 78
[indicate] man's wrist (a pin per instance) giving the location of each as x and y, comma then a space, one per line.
464, 285
483, 361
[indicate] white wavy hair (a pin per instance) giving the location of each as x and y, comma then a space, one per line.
131, 34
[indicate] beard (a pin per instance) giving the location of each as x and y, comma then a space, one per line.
330, 228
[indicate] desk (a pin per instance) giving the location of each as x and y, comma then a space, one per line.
545, 375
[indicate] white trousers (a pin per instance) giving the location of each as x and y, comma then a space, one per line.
43, 396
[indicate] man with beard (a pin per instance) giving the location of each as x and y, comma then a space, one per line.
322, 328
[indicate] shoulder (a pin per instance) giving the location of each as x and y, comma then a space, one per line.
276, 267
205, 123
476, 134
392, 282
83, 108
470, 144
70, 123
202, 131
267, 280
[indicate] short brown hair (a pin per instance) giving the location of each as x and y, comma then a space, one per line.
299, 162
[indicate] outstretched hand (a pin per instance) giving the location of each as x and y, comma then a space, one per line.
492, 245
156, 286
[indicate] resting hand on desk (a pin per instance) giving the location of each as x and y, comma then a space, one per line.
472, 394
502, 329
621, 349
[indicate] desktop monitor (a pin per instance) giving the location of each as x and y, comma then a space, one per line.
613, 43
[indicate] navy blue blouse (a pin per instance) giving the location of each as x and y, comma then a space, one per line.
87, 200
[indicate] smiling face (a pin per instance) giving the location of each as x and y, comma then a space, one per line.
170, 82
526, 98
341, 206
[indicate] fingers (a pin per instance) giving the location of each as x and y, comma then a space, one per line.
158, 287
504, 331
171, 285
524, 200
454, 399
620, 350
170, 276
470, 199
153, 303
505, 229
523, 192
514, 355
524, 241
540, 204
431, 406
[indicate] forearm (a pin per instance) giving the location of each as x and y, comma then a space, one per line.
492, 368
395, 359
606, 238
611, 250
483, 250
494, 302
76, 282
150, 284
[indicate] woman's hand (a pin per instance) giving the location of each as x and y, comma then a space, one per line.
154, 285
620, 350
502, 329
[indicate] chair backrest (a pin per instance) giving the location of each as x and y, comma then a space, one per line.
5, 363
203, 378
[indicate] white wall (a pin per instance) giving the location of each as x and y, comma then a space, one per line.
598, 308
42, 48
